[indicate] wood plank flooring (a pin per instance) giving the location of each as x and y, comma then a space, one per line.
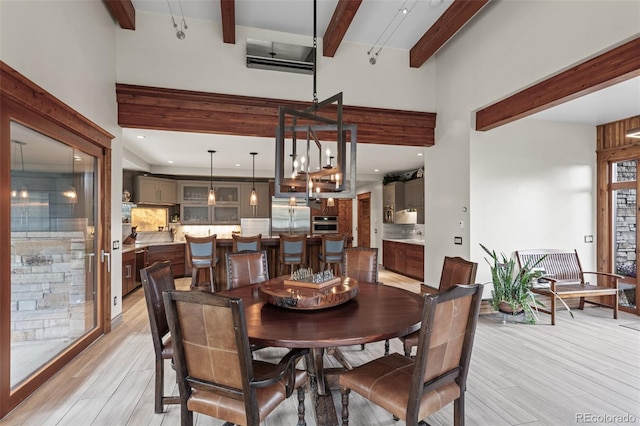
520, 374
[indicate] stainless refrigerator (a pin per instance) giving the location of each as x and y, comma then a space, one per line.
288, 219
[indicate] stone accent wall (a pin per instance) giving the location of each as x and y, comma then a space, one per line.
625, 255
48, 290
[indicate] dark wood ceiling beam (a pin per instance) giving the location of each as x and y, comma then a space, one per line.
188, 111
228, 13
123, 12
338, 26
609, 68
452, 20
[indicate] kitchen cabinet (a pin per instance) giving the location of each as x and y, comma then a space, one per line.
345, 217
193, 203
264, 201
174, 253
393, 195
152, 190
414, 197
403, 258
128, 272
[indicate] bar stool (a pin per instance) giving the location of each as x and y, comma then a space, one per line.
293, 251
332, 251
201, 254
244, 243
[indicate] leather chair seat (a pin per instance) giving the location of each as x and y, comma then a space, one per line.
232, 409
386, 382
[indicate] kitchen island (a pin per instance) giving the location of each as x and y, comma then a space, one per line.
270, 244
404, 256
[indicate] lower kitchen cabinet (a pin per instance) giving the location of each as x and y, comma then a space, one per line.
403, 258
175, 253
129, 282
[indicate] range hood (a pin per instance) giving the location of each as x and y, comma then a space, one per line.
406, 217
269, 55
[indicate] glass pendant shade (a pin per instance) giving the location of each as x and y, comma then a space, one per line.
253, 199
72, 195
211, 199
330, 202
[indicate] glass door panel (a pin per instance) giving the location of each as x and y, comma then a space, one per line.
624, 216
53, 249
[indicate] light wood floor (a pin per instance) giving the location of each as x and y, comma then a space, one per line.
520, 374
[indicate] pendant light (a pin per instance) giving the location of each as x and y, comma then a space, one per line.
211, 200
253, 200
23, 194
71, 194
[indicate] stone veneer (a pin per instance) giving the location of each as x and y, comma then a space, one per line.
49, 299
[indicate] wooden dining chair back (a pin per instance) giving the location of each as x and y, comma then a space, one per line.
246, 268
412, 389
455, 270
293, 251
361, 263
246, 243
201, 255
230, 385
156, 279
332, 251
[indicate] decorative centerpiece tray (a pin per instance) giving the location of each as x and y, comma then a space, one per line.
308, 296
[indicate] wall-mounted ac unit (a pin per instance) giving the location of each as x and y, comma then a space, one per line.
269, 55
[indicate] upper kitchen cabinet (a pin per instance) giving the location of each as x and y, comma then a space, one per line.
191, 192
414, 197
393, 195
264, 201
152, 190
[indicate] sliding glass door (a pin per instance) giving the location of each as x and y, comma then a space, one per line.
53, 249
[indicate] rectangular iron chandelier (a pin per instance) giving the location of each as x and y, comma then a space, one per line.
305, 167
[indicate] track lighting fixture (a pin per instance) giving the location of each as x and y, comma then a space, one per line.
183, 24
398, 18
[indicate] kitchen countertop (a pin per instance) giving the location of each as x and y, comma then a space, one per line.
406, 241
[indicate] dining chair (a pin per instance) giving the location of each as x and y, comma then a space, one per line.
414, 388
230, 386
156, 279
243, 243
246, 267
332, 251
361, 263
455, 270
201, 255
293, 251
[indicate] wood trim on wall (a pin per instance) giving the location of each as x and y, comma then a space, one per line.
23, 91
609, 68
190, 111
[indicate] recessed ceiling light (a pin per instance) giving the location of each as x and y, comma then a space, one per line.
140, 136
237, 164
376, 170
170, 161
420, 154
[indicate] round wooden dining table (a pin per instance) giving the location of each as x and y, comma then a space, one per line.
377, 312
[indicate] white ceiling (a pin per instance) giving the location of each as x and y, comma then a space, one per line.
378, 24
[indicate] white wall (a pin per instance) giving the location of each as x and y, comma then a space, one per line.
153, 56
496, 173
69, 49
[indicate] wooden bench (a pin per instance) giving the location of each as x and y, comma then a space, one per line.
566, 280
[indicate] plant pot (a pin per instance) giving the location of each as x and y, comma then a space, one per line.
505, 308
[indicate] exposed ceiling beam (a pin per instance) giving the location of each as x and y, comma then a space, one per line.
609, 68
228, 13
338, 26
202, 112
123, 12
452, 20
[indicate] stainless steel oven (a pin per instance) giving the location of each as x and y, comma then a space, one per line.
324, 225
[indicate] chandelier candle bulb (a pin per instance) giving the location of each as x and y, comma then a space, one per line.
328, 157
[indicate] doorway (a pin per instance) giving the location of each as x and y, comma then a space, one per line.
364, 219
623, 189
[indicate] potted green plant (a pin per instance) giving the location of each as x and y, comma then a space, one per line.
512, 289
